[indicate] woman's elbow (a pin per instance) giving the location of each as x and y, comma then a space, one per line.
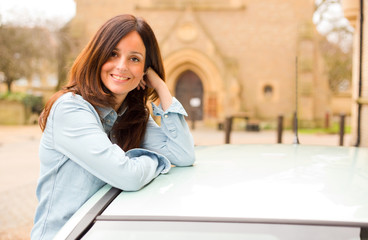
134, 185
129, 186
185, 159
133, 182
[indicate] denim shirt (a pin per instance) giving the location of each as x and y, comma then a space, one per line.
78, 158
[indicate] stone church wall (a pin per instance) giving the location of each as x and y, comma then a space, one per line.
243, 51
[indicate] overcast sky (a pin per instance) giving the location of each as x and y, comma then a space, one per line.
61, 11
33, 11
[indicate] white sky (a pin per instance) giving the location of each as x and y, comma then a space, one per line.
36, 11
55, 13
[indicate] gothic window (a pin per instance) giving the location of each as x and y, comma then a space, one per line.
268, 91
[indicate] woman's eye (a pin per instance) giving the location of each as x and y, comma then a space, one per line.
114, 54
134, 59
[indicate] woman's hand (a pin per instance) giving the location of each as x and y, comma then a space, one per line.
154, 81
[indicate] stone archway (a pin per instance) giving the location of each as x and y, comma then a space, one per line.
189, 91
209, 74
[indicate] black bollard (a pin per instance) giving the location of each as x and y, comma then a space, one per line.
342, 129
193, 119
228, 126
280, 124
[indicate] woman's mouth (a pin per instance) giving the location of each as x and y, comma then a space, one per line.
119, 78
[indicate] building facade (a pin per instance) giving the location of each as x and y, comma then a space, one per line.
231, 57
356, 11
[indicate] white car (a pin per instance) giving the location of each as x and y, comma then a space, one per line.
239, 192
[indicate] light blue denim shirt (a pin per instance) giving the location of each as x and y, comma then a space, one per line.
78, 158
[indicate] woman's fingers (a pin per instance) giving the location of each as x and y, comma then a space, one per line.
142, 85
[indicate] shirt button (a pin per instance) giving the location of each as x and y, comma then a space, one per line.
166, 116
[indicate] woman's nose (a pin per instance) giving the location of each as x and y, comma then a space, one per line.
121, 64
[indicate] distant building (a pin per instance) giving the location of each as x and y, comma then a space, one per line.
356, 11
230, 57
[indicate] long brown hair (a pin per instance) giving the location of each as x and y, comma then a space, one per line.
85, 78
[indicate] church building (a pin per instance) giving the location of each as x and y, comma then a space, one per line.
224, 58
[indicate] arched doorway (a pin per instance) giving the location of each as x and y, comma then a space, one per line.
189, 91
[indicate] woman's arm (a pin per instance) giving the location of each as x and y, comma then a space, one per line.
155, 82
78, 134
173, 139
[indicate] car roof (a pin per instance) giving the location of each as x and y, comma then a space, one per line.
294, 182
271, 183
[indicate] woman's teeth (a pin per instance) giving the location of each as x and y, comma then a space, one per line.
119, 77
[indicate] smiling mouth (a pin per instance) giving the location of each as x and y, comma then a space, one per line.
119, 78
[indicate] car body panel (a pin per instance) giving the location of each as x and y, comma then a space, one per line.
158, 230
292, 182
251, 184
81, 213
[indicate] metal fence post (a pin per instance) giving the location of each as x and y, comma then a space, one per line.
193, 119
342, 129
280, 121
228, 126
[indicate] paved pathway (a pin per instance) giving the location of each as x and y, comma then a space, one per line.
19, 168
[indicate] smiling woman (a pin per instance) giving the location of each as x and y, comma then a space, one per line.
123, 71
98, 130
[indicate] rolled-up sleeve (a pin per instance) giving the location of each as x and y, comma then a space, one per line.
173, 138
79, 135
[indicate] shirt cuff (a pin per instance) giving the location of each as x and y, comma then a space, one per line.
163, 162
175, 107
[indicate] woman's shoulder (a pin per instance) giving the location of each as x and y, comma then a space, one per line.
69, 96
72, 100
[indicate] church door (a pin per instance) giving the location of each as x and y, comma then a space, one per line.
189, 91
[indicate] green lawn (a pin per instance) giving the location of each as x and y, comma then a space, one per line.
334, 129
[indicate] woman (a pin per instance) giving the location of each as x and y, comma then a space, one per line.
98, 130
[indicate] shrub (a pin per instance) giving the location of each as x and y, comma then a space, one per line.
32, 102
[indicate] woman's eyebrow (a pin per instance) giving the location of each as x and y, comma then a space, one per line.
132, 52
138, 53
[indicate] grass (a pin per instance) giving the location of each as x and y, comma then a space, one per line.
334, 129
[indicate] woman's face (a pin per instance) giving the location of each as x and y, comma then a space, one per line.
124, 69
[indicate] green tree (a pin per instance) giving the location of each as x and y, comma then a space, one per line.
68, 45
338, 64
23, 51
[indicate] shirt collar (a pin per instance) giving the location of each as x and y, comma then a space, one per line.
106, 111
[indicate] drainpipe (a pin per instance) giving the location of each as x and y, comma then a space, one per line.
360, 73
